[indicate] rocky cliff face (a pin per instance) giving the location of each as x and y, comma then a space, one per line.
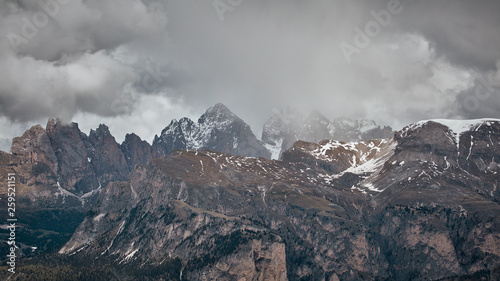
75, 172
421, 206
137, 151
62, 155
282, 130
34, 147
218, 130
106, 157
59, 173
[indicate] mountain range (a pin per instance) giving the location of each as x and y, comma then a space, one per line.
288, 125
347, 200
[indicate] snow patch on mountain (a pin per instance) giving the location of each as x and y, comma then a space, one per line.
218, 129
289, 126
457, 127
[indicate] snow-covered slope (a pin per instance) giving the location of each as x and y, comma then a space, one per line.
457, 127
285, 128
360, 158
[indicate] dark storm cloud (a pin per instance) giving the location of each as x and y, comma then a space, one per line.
483, 99
266, 54
465, 32
111, 60
59, 57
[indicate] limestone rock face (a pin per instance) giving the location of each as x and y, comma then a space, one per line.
106, 157
34, 147
76, 173
62, 156
137, 151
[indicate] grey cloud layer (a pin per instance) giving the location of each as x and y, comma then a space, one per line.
263, 54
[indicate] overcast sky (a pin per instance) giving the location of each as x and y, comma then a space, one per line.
135, 65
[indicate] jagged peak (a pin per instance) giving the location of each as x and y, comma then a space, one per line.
170, 127
34, 129
33, 132
218, 112
219, 108
131, 136
185, 120
19, 143
54, 122
315, 115
365, 122
102, 129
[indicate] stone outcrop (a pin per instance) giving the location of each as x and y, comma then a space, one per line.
76, 173
34, 147
137, 151
106, 157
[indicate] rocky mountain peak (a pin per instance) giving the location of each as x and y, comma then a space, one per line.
31, 139
52, 123
217, 129
65, 157
70, 145
105, 155
218, 113
281, 131
454, 128
470, 145
34, 147
316, 116
137, 151
101, 131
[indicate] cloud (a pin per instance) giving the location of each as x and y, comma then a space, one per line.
106, 60
32, 88
464, 32
483, 98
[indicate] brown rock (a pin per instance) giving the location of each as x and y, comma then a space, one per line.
106, 157
137, 151
75, 173
34, 147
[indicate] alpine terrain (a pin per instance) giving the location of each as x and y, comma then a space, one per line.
287, 126
347, 200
